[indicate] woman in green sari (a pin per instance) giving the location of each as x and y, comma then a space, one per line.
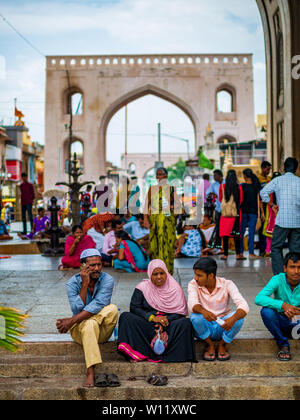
162, 204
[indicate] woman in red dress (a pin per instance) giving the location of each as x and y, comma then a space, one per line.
230, 227
75, 244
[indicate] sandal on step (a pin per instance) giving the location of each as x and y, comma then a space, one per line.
284, 351
157, 380
101, 380
211, 357
222, 357
112, 380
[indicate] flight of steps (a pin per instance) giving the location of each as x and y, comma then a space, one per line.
56, 370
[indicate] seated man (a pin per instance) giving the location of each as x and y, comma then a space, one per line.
281, 313
208, 302
94, 318
138, 232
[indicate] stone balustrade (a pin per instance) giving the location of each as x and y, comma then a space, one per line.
98, 61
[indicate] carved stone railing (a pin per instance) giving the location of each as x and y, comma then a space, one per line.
105, 61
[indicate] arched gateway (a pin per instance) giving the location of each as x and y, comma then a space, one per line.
107, 83
191, 82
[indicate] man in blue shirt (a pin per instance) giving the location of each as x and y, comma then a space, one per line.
287, 211
94, 318
137, 231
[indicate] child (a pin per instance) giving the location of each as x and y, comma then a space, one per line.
189, 243
207, 227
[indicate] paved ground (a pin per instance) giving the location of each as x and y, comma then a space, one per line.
33, 284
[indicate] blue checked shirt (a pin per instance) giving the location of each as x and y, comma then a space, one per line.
287, 190
101, 296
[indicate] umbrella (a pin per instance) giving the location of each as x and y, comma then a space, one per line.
55, 193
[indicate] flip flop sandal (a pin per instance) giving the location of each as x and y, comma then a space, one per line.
162, 380
151, 379
284, 359
112, 380
208, 359
223, 359
101, 380
157, 380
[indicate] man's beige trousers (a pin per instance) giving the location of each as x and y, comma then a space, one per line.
95, 330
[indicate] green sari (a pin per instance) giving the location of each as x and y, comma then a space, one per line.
162, 237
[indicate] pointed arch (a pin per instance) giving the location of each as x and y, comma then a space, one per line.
138, 93
230, 90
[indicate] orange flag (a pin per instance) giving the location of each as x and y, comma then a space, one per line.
18, 113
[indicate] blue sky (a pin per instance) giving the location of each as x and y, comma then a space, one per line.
120, 27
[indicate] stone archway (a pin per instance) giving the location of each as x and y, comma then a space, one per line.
138, 93
108, 83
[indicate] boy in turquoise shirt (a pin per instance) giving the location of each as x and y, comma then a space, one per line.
281, 314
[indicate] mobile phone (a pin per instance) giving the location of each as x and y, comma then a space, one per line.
220, 321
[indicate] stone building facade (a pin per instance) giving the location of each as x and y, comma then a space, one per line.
107, 83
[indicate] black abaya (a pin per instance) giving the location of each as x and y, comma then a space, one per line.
138, 332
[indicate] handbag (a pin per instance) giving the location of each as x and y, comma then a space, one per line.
228, 208
258, 223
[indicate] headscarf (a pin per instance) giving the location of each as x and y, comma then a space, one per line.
168, 298
97, 220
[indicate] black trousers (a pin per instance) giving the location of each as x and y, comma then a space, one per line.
237, 244
26, 208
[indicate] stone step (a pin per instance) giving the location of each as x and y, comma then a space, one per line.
19, 247
181, 388
56, 370
63, 348
60, 366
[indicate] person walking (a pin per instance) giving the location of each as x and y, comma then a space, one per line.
269, 222
251, 209
215, 241
161, 205
27, 197
231, 198
264, 178
287, 212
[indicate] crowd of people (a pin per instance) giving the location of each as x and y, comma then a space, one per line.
161, 324
128, 241
260, 207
